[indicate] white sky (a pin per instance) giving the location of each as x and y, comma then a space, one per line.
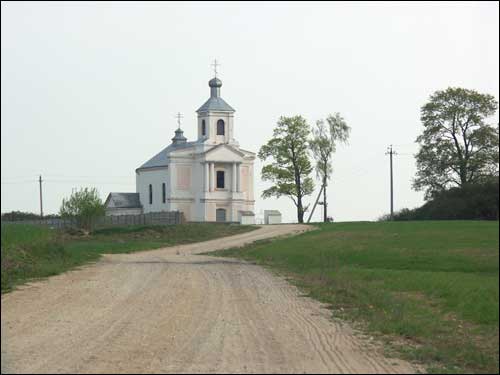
90, 90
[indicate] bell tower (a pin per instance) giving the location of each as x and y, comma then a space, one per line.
215, 116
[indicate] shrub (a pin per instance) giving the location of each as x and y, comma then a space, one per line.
84, 205
474, 201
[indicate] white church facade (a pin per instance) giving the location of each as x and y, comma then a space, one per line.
209, 179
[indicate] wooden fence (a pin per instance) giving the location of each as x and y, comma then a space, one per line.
152, 218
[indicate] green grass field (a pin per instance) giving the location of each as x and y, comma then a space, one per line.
429, 290
30, 252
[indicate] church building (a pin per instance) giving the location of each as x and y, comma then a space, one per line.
208, 179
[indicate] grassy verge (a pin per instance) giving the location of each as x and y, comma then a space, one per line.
30, 251
430, 290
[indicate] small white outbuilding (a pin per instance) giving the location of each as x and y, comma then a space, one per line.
272, 217
123, 204
246, 217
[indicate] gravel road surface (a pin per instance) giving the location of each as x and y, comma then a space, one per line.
171, 310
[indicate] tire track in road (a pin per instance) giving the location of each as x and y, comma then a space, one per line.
320, 345
172, 311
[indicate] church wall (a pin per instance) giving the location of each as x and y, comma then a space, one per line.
235, 208
250, 186
183, 179
155, 177
185, 207
210, 213
247, 187
198, 192
245, 178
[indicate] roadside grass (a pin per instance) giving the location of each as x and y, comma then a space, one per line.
31, 252
429, 290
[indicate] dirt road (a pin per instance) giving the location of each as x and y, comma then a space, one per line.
170, 310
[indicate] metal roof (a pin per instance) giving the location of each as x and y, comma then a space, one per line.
247, 213
179, 137
272, 212
215, 82
123, 200
161, 158
215, 104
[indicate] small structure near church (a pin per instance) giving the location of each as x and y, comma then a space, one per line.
246, 217
123, 204
209, 179
272, 217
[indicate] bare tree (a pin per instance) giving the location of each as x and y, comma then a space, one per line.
323, 145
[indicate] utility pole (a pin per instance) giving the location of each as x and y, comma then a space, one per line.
391, 152
41, 204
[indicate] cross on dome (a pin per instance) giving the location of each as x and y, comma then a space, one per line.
215, 64
179, 116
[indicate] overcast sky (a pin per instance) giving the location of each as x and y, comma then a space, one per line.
90, 90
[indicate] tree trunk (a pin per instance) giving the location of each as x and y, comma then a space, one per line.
300, 210
463, 173
298, 187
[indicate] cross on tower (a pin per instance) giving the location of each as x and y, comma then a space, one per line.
179, 116
215, 67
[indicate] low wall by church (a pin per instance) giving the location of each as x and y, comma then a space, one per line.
152, 218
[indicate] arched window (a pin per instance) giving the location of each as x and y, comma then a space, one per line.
203, 128
220, 127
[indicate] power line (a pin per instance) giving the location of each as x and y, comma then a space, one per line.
88, 181
67, 181
87, 176
67, 176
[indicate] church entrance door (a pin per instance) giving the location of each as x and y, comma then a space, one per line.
220, 215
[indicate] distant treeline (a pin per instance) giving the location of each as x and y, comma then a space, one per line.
475, 201
20, 216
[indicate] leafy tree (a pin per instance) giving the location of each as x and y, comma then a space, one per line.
290, 167
457, 146
85, 205
323, 145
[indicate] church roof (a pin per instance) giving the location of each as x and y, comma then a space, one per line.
123, 200
179, 137
160, 159
215, 104
215, 82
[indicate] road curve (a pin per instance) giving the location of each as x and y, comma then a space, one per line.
173, 311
